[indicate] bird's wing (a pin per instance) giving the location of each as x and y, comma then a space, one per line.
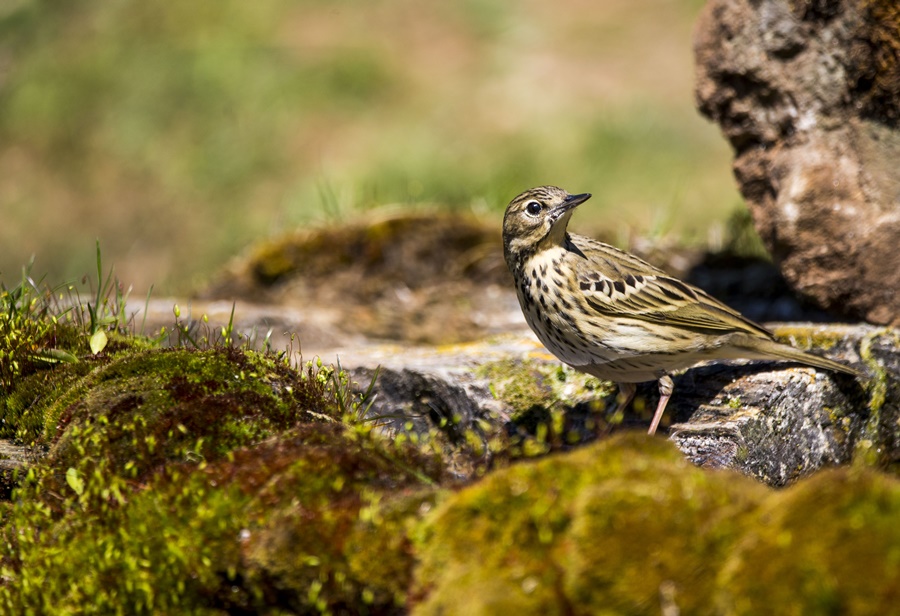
616, 284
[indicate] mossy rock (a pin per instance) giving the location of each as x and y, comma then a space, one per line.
154, 406
206, 481
828, 545
594, 531
626, 526
416, 249
40, 359
314, 521
412, 276
23, 410
550, 406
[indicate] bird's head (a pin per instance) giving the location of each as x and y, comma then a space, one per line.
536, 220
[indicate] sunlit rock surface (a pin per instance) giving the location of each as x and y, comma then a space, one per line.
808, 94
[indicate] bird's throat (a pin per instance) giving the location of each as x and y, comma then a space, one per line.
557, 236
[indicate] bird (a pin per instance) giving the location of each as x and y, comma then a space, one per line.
608, 313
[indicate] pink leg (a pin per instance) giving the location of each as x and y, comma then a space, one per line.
666, 387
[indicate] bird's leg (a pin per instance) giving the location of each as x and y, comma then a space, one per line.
666, 387
625, 396
623, 399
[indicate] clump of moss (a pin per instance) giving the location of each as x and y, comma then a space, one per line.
144, 410
348, 538
416, 249
828, 545
204, 480
48, 343
627, 526
310, 522
602, 527
443, 263
22, 410
551, 406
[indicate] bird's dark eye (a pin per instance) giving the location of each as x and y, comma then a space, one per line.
533, 208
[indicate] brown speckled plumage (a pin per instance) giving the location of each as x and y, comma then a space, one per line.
608, 313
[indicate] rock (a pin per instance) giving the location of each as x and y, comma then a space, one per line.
594, 531
773, 421
505, 397
826, 541
808, 94
214, 481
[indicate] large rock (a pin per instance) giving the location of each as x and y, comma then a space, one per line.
773, 421
506, 397
808, 94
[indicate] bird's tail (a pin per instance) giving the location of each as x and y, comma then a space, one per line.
760, 348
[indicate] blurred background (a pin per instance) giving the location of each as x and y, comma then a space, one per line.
180, 133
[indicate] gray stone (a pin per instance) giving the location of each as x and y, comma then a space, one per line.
773, 421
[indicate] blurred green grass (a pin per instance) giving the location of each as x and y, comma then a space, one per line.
180, 133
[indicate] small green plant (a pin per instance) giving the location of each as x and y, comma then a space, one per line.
353, 407
108, 310
41, 326
30, 330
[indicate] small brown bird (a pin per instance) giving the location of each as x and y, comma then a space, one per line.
610, 314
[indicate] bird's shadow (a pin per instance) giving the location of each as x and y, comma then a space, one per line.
697, 388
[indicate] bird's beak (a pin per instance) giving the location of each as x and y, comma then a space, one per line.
569, 203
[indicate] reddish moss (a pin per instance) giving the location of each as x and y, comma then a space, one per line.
315, 520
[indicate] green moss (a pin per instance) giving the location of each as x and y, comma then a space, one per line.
347, 537
878, 383
601, 529
523, 385
189, 481
541, 397
869, 449
386, 247
626, 526
23, 411
44, 351
828, 545
808, 337
152, 407
308, 522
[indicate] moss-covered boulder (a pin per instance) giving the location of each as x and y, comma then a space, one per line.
215, 481
417, 277
598, 529
313, 521
828, 545
626, 526
224, 389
